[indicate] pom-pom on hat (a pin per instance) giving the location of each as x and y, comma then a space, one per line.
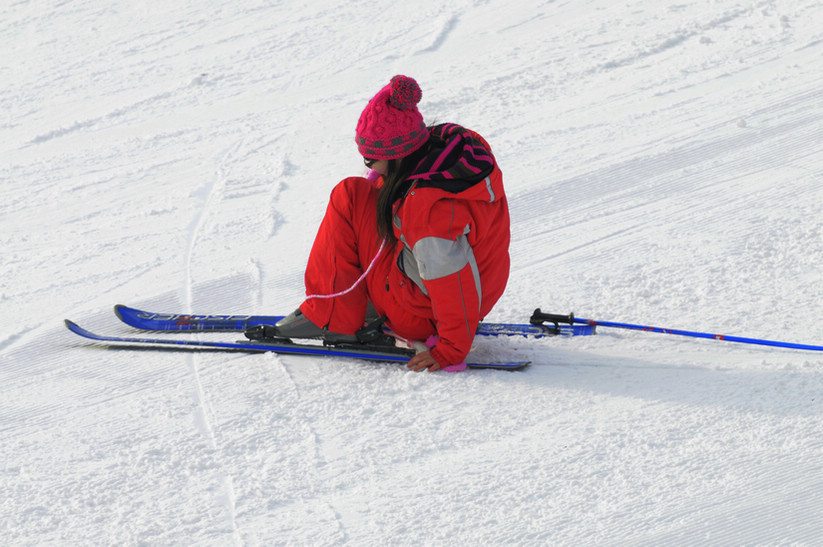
390, 126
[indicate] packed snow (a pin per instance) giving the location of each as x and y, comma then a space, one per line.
663, 165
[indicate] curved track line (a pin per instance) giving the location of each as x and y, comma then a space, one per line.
216, 193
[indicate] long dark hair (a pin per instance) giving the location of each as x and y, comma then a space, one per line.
395, 186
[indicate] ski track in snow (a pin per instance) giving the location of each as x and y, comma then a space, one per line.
662, 164
220, 189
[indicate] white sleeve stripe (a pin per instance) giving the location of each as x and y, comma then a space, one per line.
438, 257
488, 182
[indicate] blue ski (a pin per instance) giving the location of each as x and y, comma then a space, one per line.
390, 354
151, 321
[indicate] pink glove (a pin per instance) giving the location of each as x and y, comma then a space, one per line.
431, 341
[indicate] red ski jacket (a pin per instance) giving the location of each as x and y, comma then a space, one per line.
453, 232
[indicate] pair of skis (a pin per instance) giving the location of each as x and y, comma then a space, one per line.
540, 325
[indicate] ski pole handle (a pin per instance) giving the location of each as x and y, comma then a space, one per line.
540, 318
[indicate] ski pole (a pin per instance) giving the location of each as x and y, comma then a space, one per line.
539, 318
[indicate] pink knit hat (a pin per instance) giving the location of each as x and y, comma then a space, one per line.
390, 126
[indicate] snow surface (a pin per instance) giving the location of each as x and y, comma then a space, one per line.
663, 164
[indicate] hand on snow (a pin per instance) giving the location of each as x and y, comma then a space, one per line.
423, 360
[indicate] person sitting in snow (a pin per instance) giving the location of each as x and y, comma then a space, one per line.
422, 241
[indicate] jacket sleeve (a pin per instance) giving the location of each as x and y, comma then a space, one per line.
449, 271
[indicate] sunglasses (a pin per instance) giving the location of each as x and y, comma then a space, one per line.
369, 162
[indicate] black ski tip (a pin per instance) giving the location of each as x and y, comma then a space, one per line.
117, 309
72, 326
